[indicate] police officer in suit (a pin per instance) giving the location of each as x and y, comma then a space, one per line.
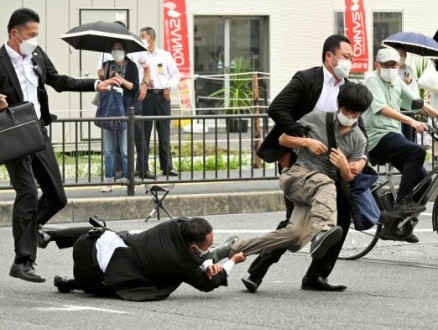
24, 70
149, 265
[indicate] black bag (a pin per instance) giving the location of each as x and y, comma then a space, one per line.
111, 105
20, 132
363, 207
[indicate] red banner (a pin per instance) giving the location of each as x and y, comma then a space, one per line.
355, 30
176, 39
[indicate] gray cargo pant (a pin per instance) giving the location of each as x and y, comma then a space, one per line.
314, 196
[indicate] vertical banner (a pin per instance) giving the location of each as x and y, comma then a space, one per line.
176, 41
355, 30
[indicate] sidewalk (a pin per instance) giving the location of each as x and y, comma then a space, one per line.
186, 199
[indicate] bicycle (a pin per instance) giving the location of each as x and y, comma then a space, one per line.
391, 226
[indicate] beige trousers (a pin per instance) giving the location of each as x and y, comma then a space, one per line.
314, 196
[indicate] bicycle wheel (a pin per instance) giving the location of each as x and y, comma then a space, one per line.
358, 243
435, 215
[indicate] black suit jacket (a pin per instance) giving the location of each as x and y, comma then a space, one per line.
156, 262
298, 98
10, 86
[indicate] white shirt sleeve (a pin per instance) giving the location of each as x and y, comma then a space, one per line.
228, 265
173, 72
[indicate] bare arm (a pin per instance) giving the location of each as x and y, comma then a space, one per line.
316, 147
394, 114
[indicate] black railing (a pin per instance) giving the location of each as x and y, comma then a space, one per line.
204, 148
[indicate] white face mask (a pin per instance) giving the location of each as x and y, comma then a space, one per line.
201, 252
402, 60
27, 46
388, 75
145, 43
345, 121
118, 55
342, 69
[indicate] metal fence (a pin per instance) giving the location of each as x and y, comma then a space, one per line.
204, 148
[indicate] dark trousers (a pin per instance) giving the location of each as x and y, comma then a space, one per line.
87, 274
407, 130
29, 210
142, 162
155, 105
407, 157
318, 267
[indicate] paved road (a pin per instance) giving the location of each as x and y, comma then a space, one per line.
394, 287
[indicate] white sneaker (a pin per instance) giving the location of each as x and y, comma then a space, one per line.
107, 189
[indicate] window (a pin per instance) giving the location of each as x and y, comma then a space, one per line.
220, 42
385, 24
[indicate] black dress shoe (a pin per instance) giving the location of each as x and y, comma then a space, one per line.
170, 173
148, 175
412, 239
324, 241
25, 271
64, 284
320, 284
251, 284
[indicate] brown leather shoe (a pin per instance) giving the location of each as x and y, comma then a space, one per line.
25, 271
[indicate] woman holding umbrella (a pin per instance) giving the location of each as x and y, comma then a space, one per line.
124, 69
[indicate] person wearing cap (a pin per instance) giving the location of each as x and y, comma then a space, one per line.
386, 142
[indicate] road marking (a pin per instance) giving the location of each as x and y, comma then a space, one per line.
72, 308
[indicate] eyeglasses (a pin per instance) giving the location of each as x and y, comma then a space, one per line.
388, 65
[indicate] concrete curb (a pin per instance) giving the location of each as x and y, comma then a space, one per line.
125, 208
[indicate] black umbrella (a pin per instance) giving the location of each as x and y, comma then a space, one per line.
100, 36
413, 42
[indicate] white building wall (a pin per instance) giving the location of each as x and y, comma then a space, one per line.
297, 28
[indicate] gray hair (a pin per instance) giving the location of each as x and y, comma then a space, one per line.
149, 31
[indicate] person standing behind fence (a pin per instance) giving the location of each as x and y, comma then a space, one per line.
124, 69
140, 59
164, 77
24, 70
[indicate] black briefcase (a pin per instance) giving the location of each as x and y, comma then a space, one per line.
20, 132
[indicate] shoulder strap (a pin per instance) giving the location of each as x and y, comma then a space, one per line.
330, 127
106, 69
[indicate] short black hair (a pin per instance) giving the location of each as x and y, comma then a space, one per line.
122, 42
354, 97
333, 43
150, 32
195, 230
21, 17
